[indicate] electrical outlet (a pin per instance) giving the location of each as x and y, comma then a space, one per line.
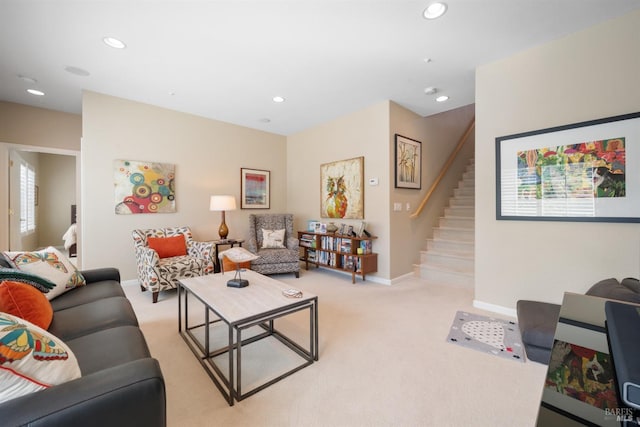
408, 206
397, 207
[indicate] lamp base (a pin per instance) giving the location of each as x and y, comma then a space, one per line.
238, 283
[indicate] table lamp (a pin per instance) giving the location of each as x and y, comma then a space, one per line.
222, 204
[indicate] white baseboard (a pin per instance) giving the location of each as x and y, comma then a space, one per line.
399, 278
511, 312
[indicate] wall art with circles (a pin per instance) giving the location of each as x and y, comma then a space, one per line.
144, 187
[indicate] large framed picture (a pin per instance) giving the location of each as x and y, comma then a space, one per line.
254, 189
588, 171
342, 189
408, 158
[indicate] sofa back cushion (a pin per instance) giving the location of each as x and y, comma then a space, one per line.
612, 289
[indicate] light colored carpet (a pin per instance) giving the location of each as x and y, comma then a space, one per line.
384, 361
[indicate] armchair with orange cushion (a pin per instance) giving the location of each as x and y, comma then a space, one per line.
165, 255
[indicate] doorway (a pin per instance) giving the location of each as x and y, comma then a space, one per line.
41, 211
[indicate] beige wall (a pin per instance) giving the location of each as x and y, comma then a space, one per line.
22, 124
370, 133
587, 75
362, 133
439, 135
207, 154
24, 128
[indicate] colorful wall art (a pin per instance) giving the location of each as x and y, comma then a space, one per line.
144, 187
589, 169
342, 189
585, 171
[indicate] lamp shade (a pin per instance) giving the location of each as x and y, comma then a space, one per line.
222, 203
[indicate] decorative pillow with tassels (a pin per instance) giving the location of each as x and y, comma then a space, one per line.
51, 264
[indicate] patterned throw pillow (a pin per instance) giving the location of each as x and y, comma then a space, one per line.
272, 239
26, 302
15, 275
51, 264
31, 359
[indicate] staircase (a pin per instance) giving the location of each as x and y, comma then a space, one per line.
449, 257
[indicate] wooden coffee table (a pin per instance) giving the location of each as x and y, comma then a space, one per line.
251, 310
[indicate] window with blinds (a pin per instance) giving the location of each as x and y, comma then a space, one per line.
27, 198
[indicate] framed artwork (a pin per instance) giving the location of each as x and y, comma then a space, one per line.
254, 189
342, 189
144, 187
588, 171
408, 163
360, 230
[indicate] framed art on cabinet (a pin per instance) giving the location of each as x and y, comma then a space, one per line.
408, 166
588, 171
254, 189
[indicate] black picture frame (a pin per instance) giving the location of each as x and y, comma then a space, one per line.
581, 172
408, 163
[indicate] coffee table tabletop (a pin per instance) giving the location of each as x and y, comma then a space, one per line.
236, 305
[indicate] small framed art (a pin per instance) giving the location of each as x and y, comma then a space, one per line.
408, 163
254, 188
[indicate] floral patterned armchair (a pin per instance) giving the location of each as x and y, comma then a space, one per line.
158, 274
283, 259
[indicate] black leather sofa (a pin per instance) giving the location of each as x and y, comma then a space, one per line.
537, 320
121, 384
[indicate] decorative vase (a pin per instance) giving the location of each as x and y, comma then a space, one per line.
332, 228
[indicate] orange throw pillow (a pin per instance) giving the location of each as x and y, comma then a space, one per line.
231, 266
168, 246
26, 302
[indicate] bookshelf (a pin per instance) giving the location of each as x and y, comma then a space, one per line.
338, 252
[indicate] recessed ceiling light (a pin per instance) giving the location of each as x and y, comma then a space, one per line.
435, 10
27, 79
114, 43
442, 98
430, 90
265, 120
278, 99
35, 92
77, 71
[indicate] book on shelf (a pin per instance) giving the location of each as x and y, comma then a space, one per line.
345, 245
308, 241
365, 245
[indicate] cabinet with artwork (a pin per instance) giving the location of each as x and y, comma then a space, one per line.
338, 252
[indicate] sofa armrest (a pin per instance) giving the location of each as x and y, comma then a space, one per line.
100, 274
131, 394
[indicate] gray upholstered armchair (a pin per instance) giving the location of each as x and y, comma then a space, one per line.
277, 246
156, 272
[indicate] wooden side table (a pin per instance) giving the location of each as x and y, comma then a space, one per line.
224, 242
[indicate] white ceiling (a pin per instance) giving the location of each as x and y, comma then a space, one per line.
226, 60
